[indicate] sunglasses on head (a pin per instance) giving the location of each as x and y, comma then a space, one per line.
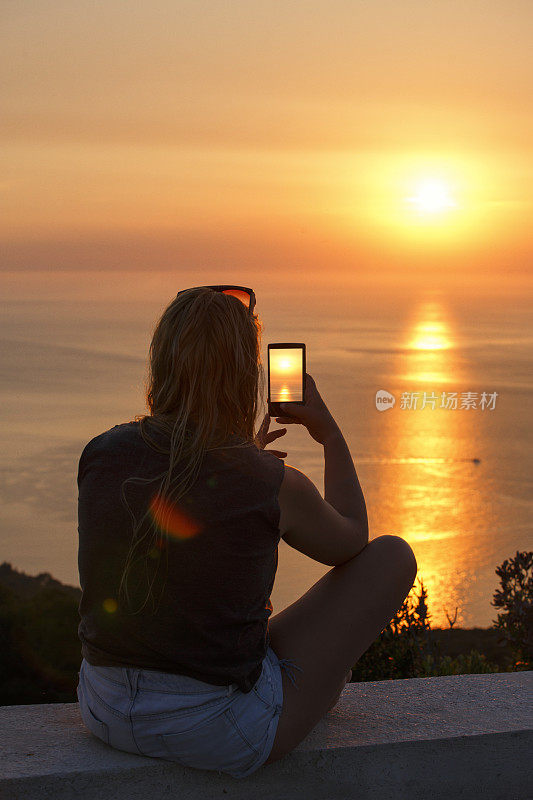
242, 293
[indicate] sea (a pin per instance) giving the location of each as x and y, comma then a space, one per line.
430, 383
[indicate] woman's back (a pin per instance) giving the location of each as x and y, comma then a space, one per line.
220, 542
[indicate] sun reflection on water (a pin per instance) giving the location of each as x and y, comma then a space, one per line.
430, 335
434, 446
429, 345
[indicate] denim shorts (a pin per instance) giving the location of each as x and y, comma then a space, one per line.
182, 719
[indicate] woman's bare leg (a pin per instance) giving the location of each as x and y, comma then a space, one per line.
330, 627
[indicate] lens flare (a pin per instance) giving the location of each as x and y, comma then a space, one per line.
172, 520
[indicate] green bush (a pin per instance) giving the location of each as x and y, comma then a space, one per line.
39, 647
516, 598
473, 663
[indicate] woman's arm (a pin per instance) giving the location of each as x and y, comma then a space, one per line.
341, 484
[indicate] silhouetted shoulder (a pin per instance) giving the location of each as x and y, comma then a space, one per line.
117, 439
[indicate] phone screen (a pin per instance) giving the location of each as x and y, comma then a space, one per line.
286, 374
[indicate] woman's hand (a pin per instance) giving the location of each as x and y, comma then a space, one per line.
313, 414
264, 437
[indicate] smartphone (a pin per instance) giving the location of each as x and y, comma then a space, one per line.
286, 375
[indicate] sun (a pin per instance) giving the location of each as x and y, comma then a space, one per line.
431, 196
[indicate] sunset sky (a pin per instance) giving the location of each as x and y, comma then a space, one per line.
273, 135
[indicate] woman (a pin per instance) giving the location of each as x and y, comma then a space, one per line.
180, 516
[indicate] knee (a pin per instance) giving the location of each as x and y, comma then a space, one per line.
400, 552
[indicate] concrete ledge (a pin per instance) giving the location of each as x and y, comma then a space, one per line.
449, 737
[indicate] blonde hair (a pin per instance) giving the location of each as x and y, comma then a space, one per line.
205, 380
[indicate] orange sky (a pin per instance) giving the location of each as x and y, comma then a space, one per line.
267, 135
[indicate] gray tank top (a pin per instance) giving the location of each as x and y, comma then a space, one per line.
213, 602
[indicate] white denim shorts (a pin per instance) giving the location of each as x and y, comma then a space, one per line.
182, 719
